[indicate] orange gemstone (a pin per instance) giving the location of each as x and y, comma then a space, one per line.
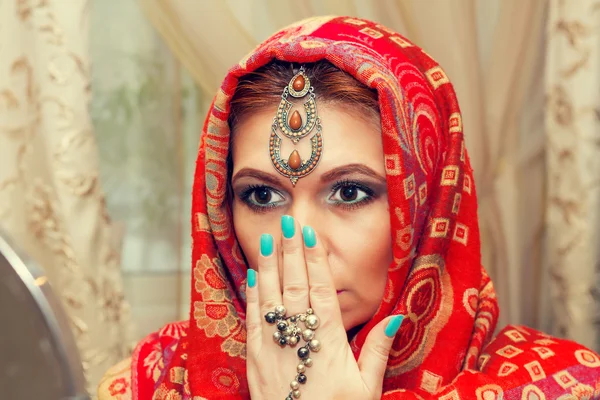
294, 161
298, 84
295, 120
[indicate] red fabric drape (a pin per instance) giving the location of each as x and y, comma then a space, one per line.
444, 349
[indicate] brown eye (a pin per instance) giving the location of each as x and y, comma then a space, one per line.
348, 193
262, 195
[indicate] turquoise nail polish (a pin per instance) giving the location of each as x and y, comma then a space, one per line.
288, 226
251, 278
310, 240
266, 245
392, 327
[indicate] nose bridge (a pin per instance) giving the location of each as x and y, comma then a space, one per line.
307, 212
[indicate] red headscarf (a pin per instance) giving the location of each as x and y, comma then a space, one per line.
444, 348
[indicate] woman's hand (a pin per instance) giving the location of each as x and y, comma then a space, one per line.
272, 370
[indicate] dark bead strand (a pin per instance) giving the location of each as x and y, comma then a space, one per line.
271, 317
301, 378
303, 353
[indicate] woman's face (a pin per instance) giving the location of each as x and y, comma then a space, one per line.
344, 199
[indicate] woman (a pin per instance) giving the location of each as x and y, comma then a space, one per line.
326, 138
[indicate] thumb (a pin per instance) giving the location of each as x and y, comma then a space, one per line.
374, 354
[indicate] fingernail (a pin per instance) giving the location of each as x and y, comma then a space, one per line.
392, 327
310, 240
266, 245
251, 277
287, 226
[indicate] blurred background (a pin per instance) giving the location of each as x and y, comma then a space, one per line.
102, 104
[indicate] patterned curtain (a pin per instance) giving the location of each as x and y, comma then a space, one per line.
573, 175
51, 200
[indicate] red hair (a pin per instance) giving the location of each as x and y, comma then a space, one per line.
262, 89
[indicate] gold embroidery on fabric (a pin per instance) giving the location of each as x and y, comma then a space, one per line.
312, 44
401, 41
490, 391
354, 21
430, 382
431, 267
202, 223
220, 100
453, 395
455, 123
371, 33
176, 375
409, 186
583, 391
210, 281
216, 315
450, 175
437, 77
215, 318
404, 237
392, 165
564, 379
439, 227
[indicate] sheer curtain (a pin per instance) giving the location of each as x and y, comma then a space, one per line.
147, 114
51, 201
573, 132
492, 50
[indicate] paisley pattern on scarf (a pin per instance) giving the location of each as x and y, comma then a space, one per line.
444, 349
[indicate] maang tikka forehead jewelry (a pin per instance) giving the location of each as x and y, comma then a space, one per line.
295, 128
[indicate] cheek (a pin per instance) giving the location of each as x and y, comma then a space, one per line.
363, 248
362, 255
371, 254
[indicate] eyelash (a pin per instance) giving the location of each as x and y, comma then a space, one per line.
245, 197
370, 196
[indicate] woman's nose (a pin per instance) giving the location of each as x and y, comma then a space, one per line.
310, 215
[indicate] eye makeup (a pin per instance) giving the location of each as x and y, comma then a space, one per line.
346, 194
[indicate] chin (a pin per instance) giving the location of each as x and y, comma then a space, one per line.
351, 320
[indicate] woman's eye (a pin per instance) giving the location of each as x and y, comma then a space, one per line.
264, 196
349, 194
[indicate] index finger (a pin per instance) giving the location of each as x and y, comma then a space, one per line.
269, 290
322, 292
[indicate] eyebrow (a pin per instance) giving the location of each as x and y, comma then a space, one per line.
338, 172
329, 176
255, 173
